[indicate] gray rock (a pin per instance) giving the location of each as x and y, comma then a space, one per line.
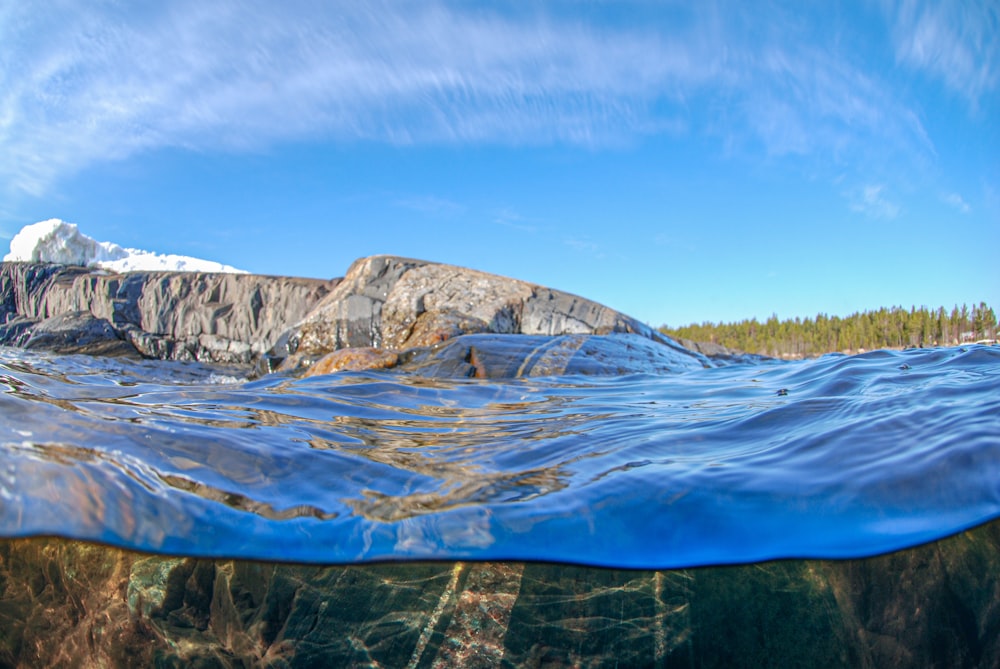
402, 303
383, 302
16, 331
231, 318
78, 332
722, 355
351, 315
495, 356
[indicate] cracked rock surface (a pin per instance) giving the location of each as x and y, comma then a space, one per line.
226, 318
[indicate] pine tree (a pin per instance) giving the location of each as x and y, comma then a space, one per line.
885, 327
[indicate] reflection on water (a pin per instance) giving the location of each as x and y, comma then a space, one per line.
834, 457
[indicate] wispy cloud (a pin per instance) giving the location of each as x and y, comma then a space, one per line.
84, 82
957, 201
808, 100
509, 218
958, 42
872, 201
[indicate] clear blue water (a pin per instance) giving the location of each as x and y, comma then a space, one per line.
836, 457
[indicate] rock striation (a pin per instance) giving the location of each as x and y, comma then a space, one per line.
217, 317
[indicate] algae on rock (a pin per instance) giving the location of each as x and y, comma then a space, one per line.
64, 603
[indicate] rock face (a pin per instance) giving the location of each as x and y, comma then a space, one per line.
229, 318
397, 304
71, 604
384, 303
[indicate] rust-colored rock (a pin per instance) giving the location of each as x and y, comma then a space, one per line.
354, 360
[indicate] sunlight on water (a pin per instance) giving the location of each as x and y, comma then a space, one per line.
835, 457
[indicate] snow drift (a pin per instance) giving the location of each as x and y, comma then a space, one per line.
57, 241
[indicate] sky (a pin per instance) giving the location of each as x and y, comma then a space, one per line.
678, 161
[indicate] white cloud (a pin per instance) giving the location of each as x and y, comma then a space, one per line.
957, 42
807, 100
89, 82
871, 201
956, 201
85, 82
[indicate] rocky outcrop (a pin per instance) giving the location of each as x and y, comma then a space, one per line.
396, 304
386, 304
65, 603
230, 318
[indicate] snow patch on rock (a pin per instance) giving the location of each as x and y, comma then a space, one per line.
57, 241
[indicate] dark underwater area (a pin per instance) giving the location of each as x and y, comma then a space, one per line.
68, 603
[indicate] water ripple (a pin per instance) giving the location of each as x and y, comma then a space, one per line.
834, 457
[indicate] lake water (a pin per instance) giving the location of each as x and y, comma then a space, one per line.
829, 458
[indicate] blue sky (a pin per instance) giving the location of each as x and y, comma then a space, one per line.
677, 161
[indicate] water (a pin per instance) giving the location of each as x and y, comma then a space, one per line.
829, 458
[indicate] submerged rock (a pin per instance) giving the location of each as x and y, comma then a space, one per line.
65, 603
491, 356
497, 356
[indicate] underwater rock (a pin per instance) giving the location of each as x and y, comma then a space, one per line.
65, 603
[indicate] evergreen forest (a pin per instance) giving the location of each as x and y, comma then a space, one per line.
894, 327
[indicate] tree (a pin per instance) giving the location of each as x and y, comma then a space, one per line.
984, 322
885, 327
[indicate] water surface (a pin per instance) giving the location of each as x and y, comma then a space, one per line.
831, 458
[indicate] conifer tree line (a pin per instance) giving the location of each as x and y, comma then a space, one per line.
894, 327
